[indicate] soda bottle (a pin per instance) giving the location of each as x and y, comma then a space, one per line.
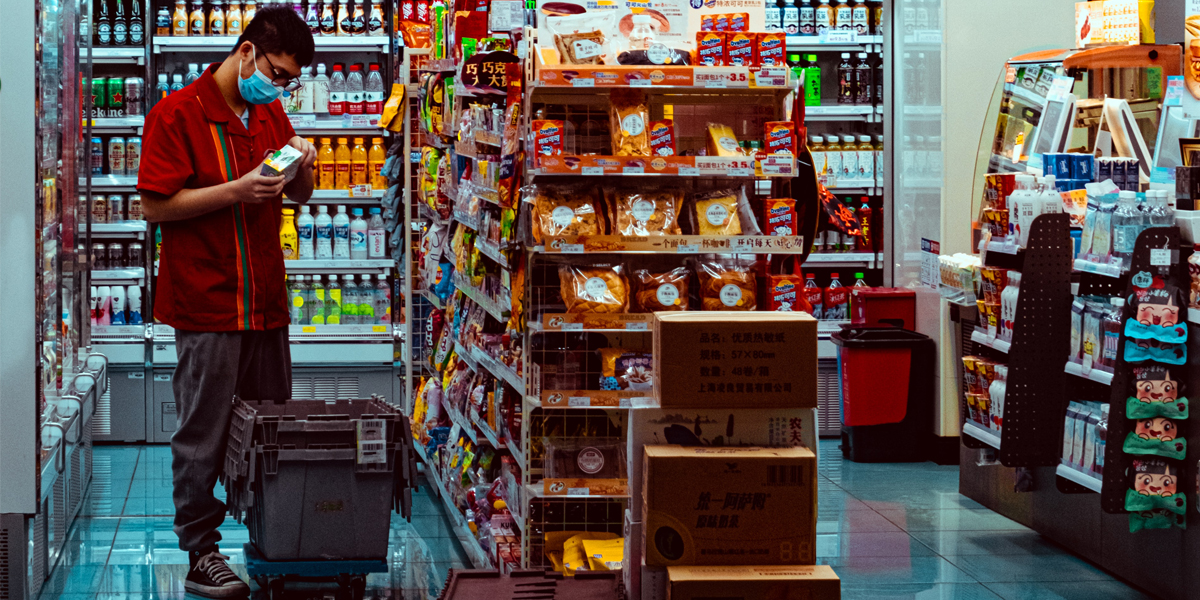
341, 234
342, 160
358, 163
296, 299
287, 235
859, 282
345, 26
320, 87
333, 302
355, 91
326, 166
376, 156
350, 314
324, 233
376, 235
836, 297
305, 226
358, 19
825, 18
358, 236
337, 92
814, 296
316, 308
807, 19
812, 81
192, 75
374, 92
364, 306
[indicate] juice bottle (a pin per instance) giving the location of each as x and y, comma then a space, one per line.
198, 24
315, 171
866, 161
844, 16
341, 156
833, 159
816, 147
248, 13
326, 166
376, 156
179, 20
879, 161
825, 17
216, 19
288, 237
358, 163
316, 308
233, 18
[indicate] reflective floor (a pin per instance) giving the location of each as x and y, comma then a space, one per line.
894, 531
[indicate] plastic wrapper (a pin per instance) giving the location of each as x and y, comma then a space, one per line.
645, 212
657, 55
722, 212
629, 118
661, 291
727, 285
594, 289
626, 369
585, 458
582, 39
605, 555
562, 210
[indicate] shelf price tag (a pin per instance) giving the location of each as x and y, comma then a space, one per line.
688, 248
361, 190
357, 121
929, 36
636, 327
303, 121
579, 491
592, 170
572, 327
689, 171
633, 170
840, 37
308, 329
1160, 257
773, 77
715, 83
579, 401
739, 172
583, 82
640, 83
572, 248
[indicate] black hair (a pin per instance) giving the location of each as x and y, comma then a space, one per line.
279, 30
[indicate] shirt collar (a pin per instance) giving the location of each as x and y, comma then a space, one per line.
216, 110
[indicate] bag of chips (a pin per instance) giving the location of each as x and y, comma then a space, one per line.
628, 119
661, 291
594, 289
727, 285
559, 210
645, 213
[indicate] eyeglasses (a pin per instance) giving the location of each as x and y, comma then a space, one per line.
293, 83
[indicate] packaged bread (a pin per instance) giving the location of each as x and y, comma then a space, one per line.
717, 213
661, 291
584, 48
722, 141
563, 210
628, 118
727, 286
594, 289
649, 212
582, 38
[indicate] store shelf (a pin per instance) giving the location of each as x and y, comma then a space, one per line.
459, 419
117, 124
458, 523
1094, 374
344, 126
340, 333
491, 307
471, 221
852, 190
1193, 315
740, 167
225, 43
675, 78
923, 111
133, 55
1002, 247
126, 276
986, 436
839, 112
1107, 270
344, 197
111, 182
597, 322
491, 251
999, 345
489, 138
431, 298
674, 244
817, 260
119, 333
1083, 479
488, 433
498, 370
577, 399
812, 43
537, 490
438, 65
465, 355
337, 267
123, 229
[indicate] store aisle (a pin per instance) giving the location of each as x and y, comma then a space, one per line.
891, 531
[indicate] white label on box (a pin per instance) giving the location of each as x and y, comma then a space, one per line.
572, 248
579, 491
583, 82
636, 326
1160, 257
572, 326
372, 441
689, 248
689, 172
579, 401
592, 170
633, 170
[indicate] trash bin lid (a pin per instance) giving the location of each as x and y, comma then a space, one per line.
877, 336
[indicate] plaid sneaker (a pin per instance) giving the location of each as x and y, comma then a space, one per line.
211, 577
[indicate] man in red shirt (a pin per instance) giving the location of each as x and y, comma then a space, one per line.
221, 281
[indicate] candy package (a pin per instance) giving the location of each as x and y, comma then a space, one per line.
594, 289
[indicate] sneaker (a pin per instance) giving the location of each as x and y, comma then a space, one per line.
211, 577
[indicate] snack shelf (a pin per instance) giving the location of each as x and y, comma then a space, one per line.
465, 355
923, 111
225, 43
673, 244
323, 266
458, 523
431, 298
457, 418
676, 78
741, 167
538, 490
467, 220
491, 251
997, 344
986, 436
852, 190
434, 141
1097, 375
111, 56
622, 399
1108, 270
1083, 479
489, 138
599, 322
425, 212
117, 124
499, 370
123, 229
488, 433
490, 306
111, 182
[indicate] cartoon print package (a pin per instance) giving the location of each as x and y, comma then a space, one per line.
1156, 393
1157, 314
1144, 350
1155, 487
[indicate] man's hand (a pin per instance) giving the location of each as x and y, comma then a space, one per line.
256, 188
308, 150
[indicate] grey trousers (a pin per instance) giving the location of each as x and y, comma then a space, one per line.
213, 368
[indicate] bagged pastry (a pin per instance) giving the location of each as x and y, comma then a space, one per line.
727, 286
626, 369
661, 291
582, 39
559, 210
722, 212
645, 213
594, 289
628, 118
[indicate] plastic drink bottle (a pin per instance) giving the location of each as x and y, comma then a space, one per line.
358, 163
337, 92
133, 298
333, 302
305, 226
835, 300
307, 99
328, 20
349, 301
104, 305
814, 296
326, 166
342, 161
176, 83
376, 235
233, 19
316, 310
1126, 225
294, 299
163, 88
383, 301
216, 19
341, 234
192, 75
179, 19
376, 157
320, 87
355, 91
95, 305
118, 305
858, 282
374, 91
375, 21
358, 236
324, 233
287, 235
312, 18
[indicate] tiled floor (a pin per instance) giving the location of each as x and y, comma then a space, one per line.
897, 531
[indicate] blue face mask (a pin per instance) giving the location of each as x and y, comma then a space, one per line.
258, 88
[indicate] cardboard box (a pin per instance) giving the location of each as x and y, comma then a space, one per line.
735, 359
729, 506
817, 582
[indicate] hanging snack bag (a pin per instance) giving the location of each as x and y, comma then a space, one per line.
594, 289
626, 370
628, 120
644, 213
662, 137
1157, 436
661, 291
727, 286
563, 211
1157, 314
1156, 393
1155, 498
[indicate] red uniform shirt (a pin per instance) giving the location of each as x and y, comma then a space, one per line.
222, 271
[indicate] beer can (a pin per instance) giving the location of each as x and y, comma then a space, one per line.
99, 95
133, 155
99, 208
97, 156
135, 96
99, 256
116, 96
134, 255
134, 208
116, 255
116, 156
116, 208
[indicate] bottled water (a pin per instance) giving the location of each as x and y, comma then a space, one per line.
296, 296
1127, 223
374, 91
383, 301
337, 92
163, 88
304, 233
1160, 214
176, 83
333, 302
355, 91
305, 95
358, 236
316, 308
341, 234
350, 293
324, 233
376, 235
192, 75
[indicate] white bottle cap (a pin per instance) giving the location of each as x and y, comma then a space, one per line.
847, 139
845, 55
193, 66
864, 138
304, 209
381, 277
321, 69
1127, 195
300, 278
177, 78
162, 77
317, 278
323, 209
1049, 181
862, 55
341, 208
332, 278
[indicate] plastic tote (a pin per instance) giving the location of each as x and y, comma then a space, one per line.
887, 391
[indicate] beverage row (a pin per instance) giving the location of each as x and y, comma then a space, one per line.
120, 155
832, 302
801, 17
329, 300
116, 255
346, 92
834, 240
118, 27
346, 18
859, 82
112, 208
849, 160
336, 237
342, 166
117, 97
116, 305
